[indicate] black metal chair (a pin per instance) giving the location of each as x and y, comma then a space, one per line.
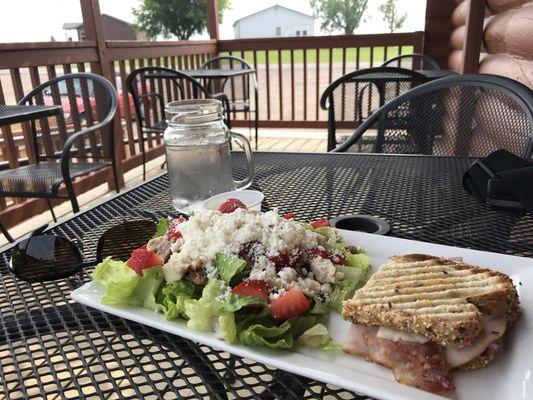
152, 88
462, 115
351, 99
412, 61
237, 88
77, 142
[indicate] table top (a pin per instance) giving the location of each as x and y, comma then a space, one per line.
217, 73
49, 344
20, 113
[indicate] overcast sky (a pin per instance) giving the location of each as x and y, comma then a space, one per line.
38, 20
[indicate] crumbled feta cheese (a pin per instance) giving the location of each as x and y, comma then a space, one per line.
288, 275
308, 286
323, 269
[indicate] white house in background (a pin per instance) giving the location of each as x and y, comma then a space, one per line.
274, 21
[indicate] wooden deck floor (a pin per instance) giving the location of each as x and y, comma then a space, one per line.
289, 140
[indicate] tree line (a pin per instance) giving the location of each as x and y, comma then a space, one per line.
183, 18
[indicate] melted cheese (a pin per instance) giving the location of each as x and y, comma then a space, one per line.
493, 329
395, 335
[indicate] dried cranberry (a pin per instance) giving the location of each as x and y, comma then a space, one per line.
319, 252
249, 250
173, 233
284, 260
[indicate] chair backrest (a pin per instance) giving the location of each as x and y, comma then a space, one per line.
413, 61
461, 115
89, 101
236, 88
351, 99
153, 87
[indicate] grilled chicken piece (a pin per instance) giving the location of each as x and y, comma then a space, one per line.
161, 246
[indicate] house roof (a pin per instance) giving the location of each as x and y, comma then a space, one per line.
72, 25
76, 25
268, 8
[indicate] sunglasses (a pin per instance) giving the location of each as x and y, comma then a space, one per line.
47, 257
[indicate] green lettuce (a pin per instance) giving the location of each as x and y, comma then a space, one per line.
236, 301
228, 327
319, 308
162, 227
145, 292
118, 280
274, 337
228, 266
201, 312
317, 337
172, 297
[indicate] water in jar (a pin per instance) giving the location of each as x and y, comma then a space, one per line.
198, 171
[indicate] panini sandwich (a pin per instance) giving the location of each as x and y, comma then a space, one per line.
424, 316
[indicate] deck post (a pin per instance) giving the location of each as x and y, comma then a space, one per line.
473, 36
212, 19
94, 30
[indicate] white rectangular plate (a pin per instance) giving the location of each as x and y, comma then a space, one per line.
509, 376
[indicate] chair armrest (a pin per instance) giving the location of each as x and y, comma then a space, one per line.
65, 154
225, 105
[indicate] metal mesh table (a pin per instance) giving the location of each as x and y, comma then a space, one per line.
52, 347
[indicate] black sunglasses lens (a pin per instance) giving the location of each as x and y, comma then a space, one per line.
44, 258
119, 241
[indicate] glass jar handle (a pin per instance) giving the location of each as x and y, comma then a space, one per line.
245, 183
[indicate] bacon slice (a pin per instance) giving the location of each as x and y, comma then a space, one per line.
422, 365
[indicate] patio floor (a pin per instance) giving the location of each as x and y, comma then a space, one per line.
290, 140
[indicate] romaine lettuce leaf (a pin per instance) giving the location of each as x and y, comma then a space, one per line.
319, 308
301, 324
172, 297
145, 292
236, 301
228, 266
162, 227
227, 326
274, 337
359, 260
201, 312
118, 280
317, 337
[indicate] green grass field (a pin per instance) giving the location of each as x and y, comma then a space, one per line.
337, 55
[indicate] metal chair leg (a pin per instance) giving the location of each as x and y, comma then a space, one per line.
72, 194
143, 151
256, 127
51, 209
6, 233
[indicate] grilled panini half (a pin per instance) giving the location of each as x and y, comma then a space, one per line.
440, 299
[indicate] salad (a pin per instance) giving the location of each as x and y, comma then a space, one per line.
259, 279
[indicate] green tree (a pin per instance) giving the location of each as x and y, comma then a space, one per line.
180, 18
339, 14
390, 15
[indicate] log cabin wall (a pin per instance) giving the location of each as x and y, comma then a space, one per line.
507, 47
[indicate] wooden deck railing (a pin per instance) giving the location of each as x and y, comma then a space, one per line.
292, 73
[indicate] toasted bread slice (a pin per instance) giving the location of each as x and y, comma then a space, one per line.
440, 299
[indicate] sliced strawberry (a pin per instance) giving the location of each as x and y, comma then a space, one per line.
290, 304
319, 223
231, 205
289, 216
141, 259
252, 288
173, 233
